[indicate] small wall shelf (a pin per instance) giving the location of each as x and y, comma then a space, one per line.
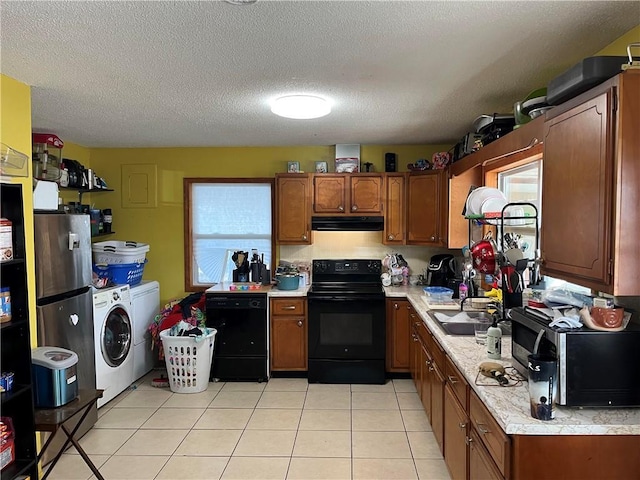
82, 191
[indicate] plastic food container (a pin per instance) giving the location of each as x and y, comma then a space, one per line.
438, 294
54, 375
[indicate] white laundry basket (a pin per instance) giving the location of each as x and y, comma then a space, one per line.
188, 361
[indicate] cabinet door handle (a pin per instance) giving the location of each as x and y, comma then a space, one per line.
433, 238
289, 307
431, 368
462, 425
468, 440
304, 237
341, 208
417, 324
427, 363
300, 323
415, 339
452, 379
396, 306
390, 237
482, 429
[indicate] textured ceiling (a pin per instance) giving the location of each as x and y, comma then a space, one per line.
202, 73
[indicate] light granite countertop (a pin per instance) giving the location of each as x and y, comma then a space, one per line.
271, 291
510, 405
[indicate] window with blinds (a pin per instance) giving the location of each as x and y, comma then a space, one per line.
224, 216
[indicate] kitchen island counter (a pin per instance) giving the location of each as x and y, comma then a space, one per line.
510, 405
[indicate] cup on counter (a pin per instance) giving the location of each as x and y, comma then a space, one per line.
480, 331
543, 386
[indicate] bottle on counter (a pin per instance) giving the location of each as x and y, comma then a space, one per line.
463, 291
494, 341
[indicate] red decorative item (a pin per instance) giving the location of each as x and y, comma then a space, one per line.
440, 160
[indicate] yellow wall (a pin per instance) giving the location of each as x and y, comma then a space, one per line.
15, 131
619, 46
162, 226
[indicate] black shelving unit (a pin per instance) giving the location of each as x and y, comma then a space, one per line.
511, 299
16, 344
82, 191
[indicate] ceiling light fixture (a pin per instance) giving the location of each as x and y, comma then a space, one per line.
301, 107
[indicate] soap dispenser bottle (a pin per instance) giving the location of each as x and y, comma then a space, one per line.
494, 341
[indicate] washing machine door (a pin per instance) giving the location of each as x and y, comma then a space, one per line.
116, 337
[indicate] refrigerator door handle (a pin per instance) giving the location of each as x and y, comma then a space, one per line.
74, 241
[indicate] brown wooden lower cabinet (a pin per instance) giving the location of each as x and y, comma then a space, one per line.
568, 457
481, 466
437, 406
399, 315
455, 435
492, 436
288, 334
414, 358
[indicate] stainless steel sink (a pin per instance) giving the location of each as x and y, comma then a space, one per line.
465, 328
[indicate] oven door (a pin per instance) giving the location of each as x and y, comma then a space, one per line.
346, 327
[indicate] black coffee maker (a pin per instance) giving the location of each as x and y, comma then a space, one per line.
439, 271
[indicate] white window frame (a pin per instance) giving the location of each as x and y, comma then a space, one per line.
190, 267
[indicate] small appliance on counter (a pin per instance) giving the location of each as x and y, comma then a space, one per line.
241, 261
440, 270
55, 376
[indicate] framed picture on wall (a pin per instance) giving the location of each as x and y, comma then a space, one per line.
293, 167
321, 167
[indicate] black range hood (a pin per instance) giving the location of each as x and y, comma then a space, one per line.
347, 224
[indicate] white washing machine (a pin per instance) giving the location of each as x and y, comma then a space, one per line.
114, 341
145, 305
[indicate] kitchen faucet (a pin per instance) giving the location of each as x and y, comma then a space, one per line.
497, 306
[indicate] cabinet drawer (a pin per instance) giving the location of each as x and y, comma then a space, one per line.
423, 333
490, 433
458, 384
287, 306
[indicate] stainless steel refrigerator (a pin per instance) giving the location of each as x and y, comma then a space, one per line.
64, 297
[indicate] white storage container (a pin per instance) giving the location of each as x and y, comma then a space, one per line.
116, 252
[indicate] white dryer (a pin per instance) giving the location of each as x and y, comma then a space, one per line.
145, 305
114, 341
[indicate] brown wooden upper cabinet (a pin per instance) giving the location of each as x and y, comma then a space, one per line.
395, 212
293, 205
591, 188
427, 208
349, 194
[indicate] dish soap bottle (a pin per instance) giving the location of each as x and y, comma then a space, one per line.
494, 341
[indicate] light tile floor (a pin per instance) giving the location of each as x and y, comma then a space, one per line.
283, 429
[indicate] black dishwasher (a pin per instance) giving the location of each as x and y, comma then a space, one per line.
240, 349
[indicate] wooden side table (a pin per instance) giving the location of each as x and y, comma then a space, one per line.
54, 419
